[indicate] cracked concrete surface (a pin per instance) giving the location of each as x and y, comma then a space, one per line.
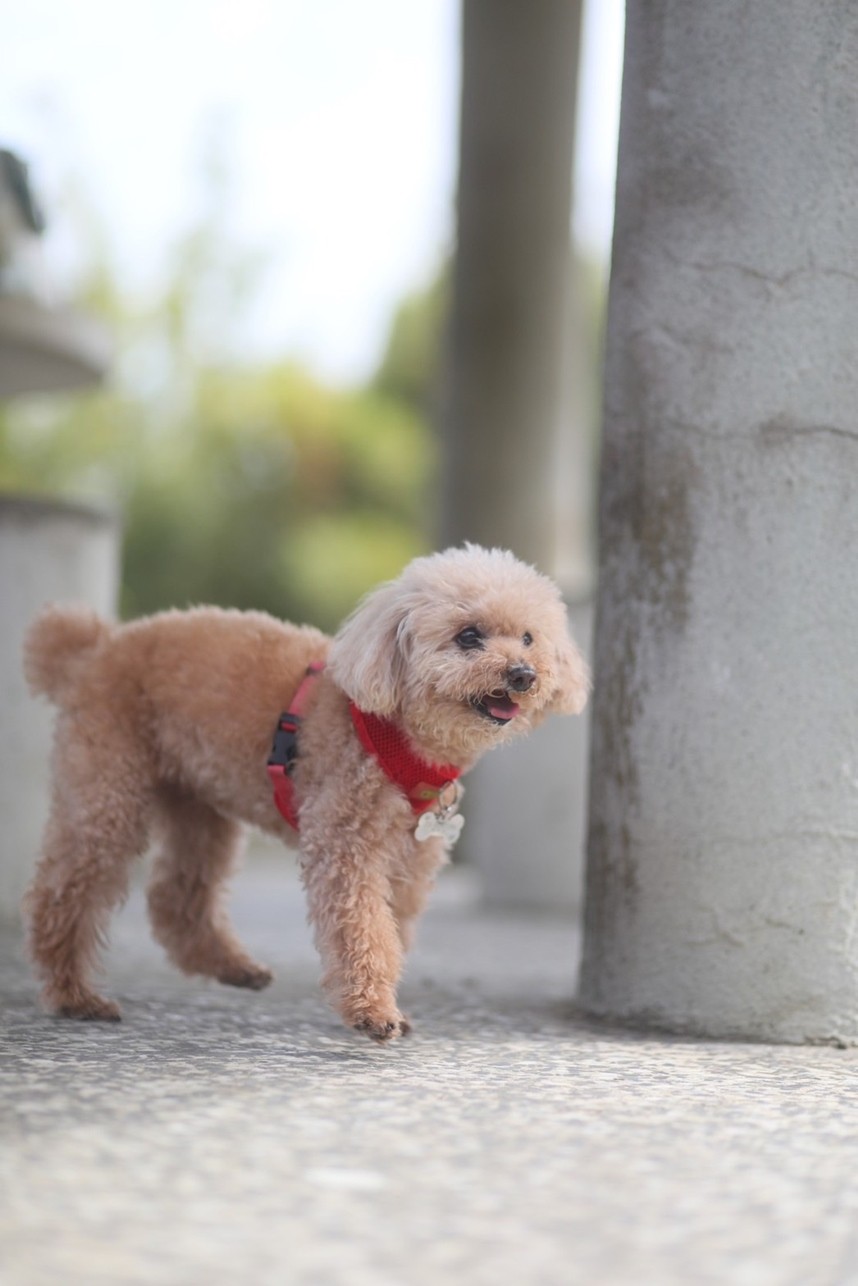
220, 1137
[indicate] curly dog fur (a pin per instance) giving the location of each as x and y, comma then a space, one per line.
164, 728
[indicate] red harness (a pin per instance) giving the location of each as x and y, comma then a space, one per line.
284, 751
420, 781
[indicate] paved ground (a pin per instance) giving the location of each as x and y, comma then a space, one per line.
219, 1137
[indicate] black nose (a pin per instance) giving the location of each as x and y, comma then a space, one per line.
521, 678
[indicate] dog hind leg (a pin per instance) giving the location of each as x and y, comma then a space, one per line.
199, 849
98, 823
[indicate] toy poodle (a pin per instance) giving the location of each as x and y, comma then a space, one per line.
165, 730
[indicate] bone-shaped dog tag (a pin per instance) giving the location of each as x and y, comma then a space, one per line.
449, 828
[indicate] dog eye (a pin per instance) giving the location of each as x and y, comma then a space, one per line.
527, 639
470, 638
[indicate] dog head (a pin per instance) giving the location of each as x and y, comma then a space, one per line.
464, 650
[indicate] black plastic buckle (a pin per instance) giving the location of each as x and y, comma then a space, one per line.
284, 751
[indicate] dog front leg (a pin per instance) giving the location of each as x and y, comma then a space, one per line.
348, 895
412, 882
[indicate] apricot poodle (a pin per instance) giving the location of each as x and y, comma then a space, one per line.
165, 729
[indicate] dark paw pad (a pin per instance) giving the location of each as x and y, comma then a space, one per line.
91, 1009
380, 1032
253, 977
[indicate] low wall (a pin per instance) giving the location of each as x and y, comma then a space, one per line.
50, 551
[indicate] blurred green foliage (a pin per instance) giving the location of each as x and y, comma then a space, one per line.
244, 484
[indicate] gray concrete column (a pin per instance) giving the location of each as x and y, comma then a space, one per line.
49, 552
510, 325
723, 840
512, 438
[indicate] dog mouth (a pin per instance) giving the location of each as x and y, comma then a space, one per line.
498, 707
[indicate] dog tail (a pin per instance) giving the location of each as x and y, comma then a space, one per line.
57, 648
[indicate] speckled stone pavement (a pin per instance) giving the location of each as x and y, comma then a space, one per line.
222, 1137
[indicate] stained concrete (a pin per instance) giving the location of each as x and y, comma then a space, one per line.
723, 845
221, 1137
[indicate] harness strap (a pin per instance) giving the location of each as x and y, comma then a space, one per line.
420, 782
284, 751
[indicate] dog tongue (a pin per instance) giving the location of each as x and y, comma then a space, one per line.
501, 707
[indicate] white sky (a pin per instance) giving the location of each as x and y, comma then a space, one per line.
340, 123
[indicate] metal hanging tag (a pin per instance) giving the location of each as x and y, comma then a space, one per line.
444, 820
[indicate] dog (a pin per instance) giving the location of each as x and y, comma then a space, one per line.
165, 729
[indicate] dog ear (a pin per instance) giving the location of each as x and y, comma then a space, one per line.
368, 655
572, 677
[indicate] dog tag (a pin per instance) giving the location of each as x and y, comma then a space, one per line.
448, 827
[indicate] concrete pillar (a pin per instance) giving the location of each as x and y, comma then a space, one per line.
49, 552
509, 327
723, 840
510, 433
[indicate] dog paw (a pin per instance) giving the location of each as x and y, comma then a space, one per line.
254, 977
89, 1008
382, 1030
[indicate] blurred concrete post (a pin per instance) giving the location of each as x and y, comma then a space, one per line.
511, 280
511, 448
723, 864
49, 552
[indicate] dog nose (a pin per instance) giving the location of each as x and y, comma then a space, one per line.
521, 678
